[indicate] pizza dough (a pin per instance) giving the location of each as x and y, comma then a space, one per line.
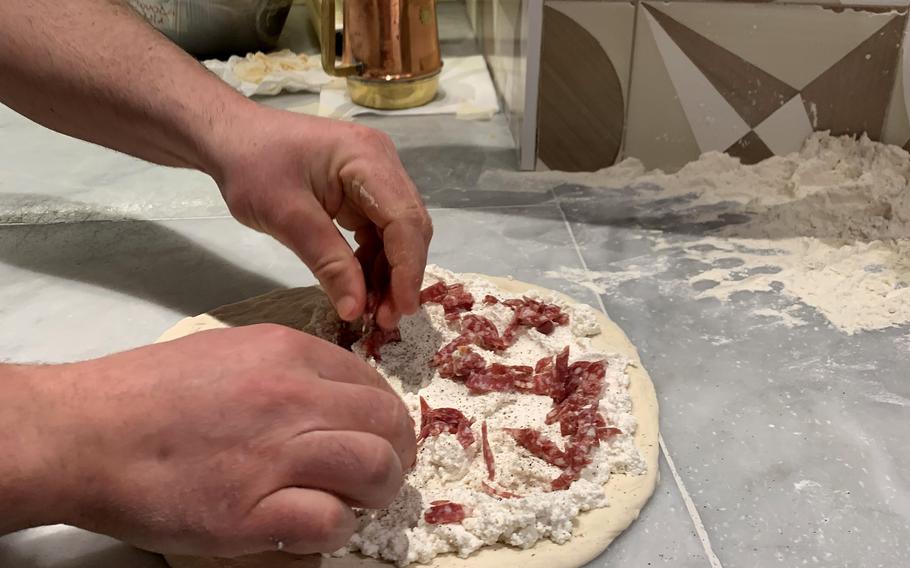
595, 529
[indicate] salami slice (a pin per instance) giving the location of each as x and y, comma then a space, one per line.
501, 378
434, 422
483, 332
487, 452
376, 338
442, 360
444, 513
534, 313
490, 300
499, 492
539, 445
453, 299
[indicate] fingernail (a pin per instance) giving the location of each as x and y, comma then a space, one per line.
346, 307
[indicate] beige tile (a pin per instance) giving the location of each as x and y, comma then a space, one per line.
896, 129
657, 131
786, 130
582, 99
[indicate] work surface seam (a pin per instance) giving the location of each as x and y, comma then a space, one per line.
691, 508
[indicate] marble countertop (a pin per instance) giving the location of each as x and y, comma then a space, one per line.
774, 451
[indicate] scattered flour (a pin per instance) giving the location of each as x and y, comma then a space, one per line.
828, 226
804, 484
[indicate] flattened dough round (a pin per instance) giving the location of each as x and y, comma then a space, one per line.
595, 530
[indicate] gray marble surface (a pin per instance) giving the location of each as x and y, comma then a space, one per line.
787, 446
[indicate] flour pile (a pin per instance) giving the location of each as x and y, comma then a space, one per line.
828, 226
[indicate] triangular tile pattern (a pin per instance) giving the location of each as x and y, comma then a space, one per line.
662, 136
714, 122
763, 34
750, 149
786, 130
752, 92
852, 96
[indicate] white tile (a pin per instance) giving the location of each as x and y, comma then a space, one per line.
786, 130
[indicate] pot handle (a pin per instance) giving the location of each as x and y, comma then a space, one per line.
328, 45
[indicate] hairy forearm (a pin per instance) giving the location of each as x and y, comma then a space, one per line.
95, 70
31, 471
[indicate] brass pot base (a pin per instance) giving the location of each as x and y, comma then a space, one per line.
393, 95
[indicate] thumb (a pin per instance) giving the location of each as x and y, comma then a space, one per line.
305, 228
298, 521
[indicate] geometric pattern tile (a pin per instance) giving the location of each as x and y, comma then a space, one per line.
786, 130
732, 104
581, 103
611, 23
851, 97
715, 123
750, 149
896, 129
658, 131
793, 43
754, 93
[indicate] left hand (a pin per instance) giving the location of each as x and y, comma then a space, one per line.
292, 176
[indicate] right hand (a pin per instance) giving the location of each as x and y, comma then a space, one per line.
228, 442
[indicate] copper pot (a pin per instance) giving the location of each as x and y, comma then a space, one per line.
391, 51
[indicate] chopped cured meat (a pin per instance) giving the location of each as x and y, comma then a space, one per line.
433, 293
483, 332
582, 389
453, 299
578, 456
501, 378
607, 432
539, 445
544, 365
444, 513
498, 491
562, 375
534, 313
490, 300
376, 338
465, 362
442, 360
487, 452
434, 422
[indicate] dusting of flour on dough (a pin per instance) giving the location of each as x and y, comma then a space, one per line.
828, 226
445, 470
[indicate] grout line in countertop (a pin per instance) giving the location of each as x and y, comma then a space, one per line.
692, 509
690, 506
64, 221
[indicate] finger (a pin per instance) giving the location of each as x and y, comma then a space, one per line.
356, 408
390, 200
406, 242
299, 521
334, 363
363, 470
305, 228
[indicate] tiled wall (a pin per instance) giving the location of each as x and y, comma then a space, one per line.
664, 82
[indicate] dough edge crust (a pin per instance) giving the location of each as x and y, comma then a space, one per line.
595, 530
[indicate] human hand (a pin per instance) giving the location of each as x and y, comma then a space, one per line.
291, 175
226, 442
